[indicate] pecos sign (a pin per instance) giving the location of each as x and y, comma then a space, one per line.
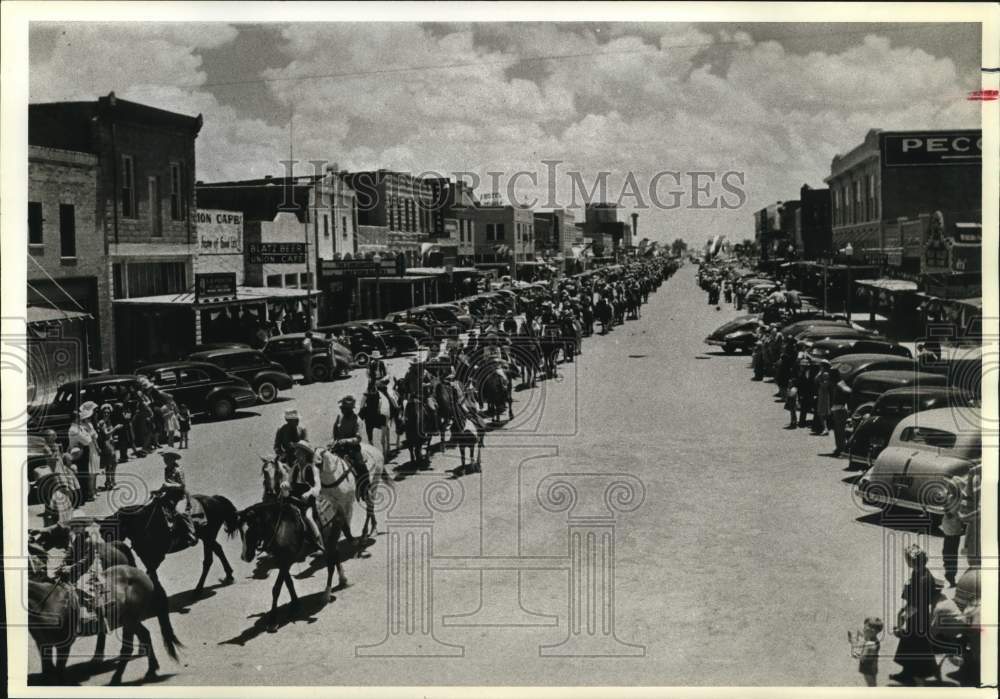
933, 148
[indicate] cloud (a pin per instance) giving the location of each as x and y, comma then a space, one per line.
616, 97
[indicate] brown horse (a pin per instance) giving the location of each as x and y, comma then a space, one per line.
54, 616
148, 530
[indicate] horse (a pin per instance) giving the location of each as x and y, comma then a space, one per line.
147, 529
78, 550
277, 526
466, 432
551, 344
604, 313
376, 413
496, 393
131, 596
420, 424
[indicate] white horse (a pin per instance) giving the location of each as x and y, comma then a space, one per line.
339, 484
380, 418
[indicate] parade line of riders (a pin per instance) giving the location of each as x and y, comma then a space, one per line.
459, 388
929, 623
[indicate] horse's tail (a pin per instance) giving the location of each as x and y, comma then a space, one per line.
230, 516
170, 640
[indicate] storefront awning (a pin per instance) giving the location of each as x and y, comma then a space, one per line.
244, 294
39, 315
892, 285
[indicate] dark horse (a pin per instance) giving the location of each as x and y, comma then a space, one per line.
54, 615
496, 393
277, 527
147, 529
421, 424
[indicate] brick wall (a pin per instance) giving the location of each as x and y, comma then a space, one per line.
57, 177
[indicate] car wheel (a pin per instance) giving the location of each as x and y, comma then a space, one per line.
320, 372
223, 409
361, 359
266, 392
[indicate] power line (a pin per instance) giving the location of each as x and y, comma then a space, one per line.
538, 58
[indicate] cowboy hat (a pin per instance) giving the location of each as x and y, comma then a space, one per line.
170, 457
106, 408
291, 414
375, 354
86, 409
347, 400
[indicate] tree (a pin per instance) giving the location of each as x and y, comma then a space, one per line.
678, 247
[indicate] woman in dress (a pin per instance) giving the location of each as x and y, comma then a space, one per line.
915, 652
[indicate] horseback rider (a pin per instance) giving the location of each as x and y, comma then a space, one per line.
376, 367
510, 324
287, 435
302, 488
347, 442
170, 494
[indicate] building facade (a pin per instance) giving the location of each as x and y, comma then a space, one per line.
902, 174
504, 233
453, 221
813, 237
397, 203
145, 199
67, 266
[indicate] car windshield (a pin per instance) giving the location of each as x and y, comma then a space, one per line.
440, 313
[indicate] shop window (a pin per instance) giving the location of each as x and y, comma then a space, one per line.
128, 186
274, 280
35, 223
291, 280
176, 193
67, 230
306, 278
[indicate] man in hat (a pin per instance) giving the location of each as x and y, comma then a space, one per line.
171, 493
510, 324
347, 441
376, 367
287, 435
303, 484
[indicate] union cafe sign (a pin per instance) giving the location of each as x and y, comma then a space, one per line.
932, 148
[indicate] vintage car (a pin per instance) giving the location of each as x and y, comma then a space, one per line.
802, 325
832, 348
396, 340
203, 387
870, 429
266, 377
851, 366
416, 333
925, 451
287, 350
58, 413
361, 340
460, 313
872, 384
736, 335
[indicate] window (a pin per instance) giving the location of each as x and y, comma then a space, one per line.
343, 225
274, 280
35, 223
155, 207
326, 226
67, 230
192, 375
176, 193
128, 187
291, 280
165, 378
392, 214
940, 439
306, 278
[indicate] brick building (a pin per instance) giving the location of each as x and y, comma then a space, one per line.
67, 267
504, 233
813, 237
399, 204
902, 174
600, 219
144, 203
453, 222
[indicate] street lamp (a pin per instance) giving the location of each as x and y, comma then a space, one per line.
377, 259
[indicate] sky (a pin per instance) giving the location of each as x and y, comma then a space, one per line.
697, 125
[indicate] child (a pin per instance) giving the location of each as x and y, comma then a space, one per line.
791, 400
184, 424
865, 647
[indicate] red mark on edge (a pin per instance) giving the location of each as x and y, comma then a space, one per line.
984, 96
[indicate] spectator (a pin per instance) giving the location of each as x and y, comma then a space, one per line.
83, 436
183, 425
839, 391
865, 647
952, 528
915, 653
791, 401
970, 514
821, 421
106, 431
307, 355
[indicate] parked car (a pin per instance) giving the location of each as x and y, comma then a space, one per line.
203, 387
870, 429
447, 316
287, 350
395, 339
359, 338
207, 346
266, 377
417, 333
825, 332
58, 413
736, 335
872, 384
851, 366
802, 325
925, 450
832, 348
463, 317
425, 319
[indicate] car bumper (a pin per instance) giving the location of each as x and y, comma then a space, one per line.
876, 493
245, 398
719, 343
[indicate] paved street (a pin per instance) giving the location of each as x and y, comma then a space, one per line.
744, 563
